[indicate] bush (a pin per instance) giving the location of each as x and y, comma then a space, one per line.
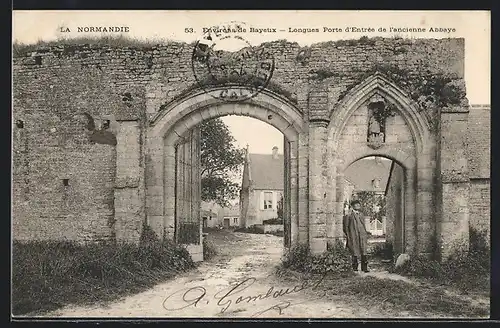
47, 275
252, 229
273, 221
467, 270
278, 233
335, 260
383, 250
209, 249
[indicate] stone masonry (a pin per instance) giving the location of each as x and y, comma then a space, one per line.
96, 130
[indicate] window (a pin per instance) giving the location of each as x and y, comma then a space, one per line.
235, 220
268, 200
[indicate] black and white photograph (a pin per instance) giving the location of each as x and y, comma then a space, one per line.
231, 164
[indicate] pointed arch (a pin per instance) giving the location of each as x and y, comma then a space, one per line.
378, 84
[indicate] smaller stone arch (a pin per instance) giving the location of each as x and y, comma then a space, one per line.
414, 155
407, 236
406, 160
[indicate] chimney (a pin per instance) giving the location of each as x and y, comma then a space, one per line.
275, 152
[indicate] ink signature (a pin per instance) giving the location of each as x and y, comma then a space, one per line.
197, 296
280, 307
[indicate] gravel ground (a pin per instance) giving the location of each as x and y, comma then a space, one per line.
238, 282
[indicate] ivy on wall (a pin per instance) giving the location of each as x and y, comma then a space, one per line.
426, 88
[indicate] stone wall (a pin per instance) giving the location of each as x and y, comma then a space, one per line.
54, 86
478, 142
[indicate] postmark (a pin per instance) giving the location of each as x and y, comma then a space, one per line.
223, 57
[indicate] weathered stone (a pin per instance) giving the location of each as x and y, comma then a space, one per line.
320, 116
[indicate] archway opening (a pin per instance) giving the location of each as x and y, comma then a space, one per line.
232, 187
379, 184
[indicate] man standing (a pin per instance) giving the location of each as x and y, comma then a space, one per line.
357, 236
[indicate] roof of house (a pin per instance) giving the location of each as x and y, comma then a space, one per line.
208, 213
478, 141
232, 211
362, 172
267, 172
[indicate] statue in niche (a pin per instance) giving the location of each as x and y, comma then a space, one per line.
376, 123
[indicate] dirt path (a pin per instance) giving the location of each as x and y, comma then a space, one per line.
239, 282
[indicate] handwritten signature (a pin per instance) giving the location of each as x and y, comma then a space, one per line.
197, 296
280, 307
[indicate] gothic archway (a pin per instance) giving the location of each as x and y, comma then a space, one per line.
407, 141
169, 127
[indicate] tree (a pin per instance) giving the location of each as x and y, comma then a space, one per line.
280, 208
369, 201
221, 162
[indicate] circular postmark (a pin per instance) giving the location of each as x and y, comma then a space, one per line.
222, 57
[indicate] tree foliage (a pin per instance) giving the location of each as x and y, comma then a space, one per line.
221, 161
280, 208
370, 200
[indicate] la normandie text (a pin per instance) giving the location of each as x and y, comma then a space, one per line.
93, 29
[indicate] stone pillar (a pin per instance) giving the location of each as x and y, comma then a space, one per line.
303, 189
317, 186
453, 225
129, 203
168, 176
294, 192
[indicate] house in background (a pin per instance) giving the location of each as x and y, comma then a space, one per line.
210, 219
230, 216
262, 187
370, 174
209, 214
214, 215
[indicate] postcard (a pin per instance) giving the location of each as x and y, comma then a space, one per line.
251, 164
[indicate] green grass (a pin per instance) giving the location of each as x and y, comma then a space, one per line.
47, 275
391, 297
468, 271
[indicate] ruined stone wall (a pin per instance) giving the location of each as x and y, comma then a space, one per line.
54, 86
478, 146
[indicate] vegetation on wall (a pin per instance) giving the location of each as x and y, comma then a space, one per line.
20, 49
426, 88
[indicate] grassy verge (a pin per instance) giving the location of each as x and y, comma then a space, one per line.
468, 271
49, 275
385, 297
390, 298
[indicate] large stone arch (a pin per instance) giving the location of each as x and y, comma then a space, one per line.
414, 154
168, 128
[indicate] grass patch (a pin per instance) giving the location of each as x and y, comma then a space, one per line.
116, 41
387, 297
47, 275
399, 296
469, 271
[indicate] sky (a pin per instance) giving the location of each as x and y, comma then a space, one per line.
473, 26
